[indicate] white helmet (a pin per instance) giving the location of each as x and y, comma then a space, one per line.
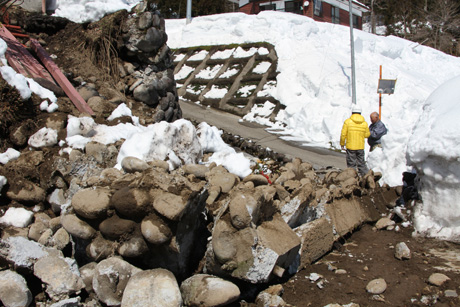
356, 109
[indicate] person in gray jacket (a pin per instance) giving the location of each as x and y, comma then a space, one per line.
377, 129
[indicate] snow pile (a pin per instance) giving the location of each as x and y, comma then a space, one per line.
434, 151
91, 10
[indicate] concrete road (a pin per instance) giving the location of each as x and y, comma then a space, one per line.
318, 157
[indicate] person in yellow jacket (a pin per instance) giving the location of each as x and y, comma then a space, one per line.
354, 131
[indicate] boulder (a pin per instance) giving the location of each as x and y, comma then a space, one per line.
133, 164
208, 290
23, 253
131, 203
317, 238
14, 290
243, 210
110, 279
77, 227
100, 248
155, 230
157, 287
60, 275
91, 203
169, 205
115, 227
26, 192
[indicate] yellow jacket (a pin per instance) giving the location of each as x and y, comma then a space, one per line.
354, 131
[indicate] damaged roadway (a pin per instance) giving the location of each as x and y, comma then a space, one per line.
230, 123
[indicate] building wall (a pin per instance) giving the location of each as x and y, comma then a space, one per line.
253, 8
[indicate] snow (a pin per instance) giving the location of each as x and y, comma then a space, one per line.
3, 182
91, 10
262, 68
313, 84
17, 217
434, 151
8, 155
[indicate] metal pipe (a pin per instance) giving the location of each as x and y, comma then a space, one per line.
352, 44
189, 11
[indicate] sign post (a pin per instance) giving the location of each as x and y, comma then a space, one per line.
386, 86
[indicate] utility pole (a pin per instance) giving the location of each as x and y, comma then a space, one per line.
189, 11
352, 44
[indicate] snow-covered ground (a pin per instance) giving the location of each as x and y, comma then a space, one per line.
313, 82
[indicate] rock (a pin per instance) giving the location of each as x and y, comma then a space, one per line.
13, 289
86, 92
275, 250
285, 176
110, 279
376, 286
145, 20
100, 248
450, 293
20, 135
115, 227
77, 227
133, 164
45, 237
256, 179
208, 290
157, 287
317, 238
36, 230
169, 205
402, 251
340, 272
146, 94
134, 247
160, 164
198, 170
131, 203
70, 302
243, 210
60, 275
91, 203
437, 279
44, 137
155, 230
23, 253
214, 193
267, 299
27, 193
384, 223
60, 239
100, 152
87, 274
17, 217
100, 105
225, 181
294, 211
57, 200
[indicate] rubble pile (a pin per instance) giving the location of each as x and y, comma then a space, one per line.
92, 229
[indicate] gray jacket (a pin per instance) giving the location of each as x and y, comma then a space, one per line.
377, 130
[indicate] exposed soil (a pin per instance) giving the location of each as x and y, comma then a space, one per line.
365, 255
369, 254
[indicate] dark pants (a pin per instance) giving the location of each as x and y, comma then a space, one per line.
355, 159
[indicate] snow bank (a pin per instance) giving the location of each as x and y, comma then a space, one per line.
315, 72
434, 151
